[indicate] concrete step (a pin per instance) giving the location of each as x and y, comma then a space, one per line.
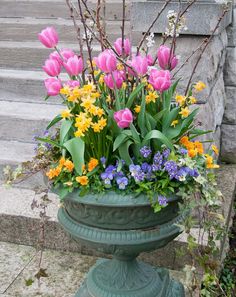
56, 8
25, 86
19, 224
22, 121
17, 29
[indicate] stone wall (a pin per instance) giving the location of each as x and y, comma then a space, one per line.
228, 137
200, 20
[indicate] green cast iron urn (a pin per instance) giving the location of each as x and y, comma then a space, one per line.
123, 226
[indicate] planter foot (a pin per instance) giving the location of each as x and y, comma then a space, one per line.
139, 280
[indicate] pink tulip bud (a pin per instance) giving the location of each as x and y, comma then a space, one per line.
65, 54
118, 46
160, 80
123, 118
53, 86
74, 65
72, 83
140, 64
52, 67
117, 77
166, 59
106, 61
48, 37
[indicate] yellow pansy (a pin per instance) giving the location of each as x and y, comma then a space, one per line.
93, 163
83, 180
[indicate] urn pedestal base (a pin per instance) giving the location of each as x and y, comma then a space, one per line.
129, 278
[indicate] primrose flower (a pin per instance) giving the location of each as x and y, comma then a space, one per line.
48, 37
52, 67
74, 65
123, 118
160, 80
53, 86
106, 61
166, 59
162, 200
145, 151
114, 79
122, 182
118, 46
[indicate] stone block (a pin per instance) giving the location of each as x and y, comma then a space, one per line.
230, 67
228, 143
230, 108
231, 31
201, 18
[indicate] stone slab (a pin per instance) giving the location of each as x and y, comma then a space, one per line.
201, 18
230, 68
231, 31
230, 108
13, 259
22, 121
55, 9
228, 143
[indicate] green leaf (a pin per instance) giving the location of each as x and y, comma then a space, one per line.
124, 152
29, 282
135, 133
48, 140
155, 134
159, 115
169, 117
120, 139
76, 147
172, 133
65, 128
198, 132
54, 121
151, 121
186, 122
141, 117
133, 95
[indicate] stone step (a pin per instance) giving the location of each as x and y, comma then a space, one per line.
26, 86
31, 55
19, 224
22, 121
56, 8
17, 29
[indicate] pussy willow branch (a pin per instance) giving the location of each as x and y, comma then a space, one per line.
87, 41
123, 26
99, 27
152, 24
204, 48
189, 57
77, 28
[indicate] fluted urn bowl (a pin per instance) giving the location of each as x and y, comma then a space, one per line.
123, 226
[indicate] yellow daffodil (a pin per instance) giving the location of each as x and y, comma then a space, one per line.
137, 108
66, 114
184, 112
192, 100
215, 149
151, 97
180, 99
199, 86
174, 123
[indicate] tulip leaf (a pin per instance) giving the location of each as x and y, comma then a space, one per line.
48, 140
169, 118
133, 95
65, 128
120, 139
124, 152
76, 147
155, 134
54, 121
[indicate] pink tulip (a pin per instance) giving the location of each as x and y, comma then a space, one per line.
72, 83
166, 59
150, 60
106, 61
160, 79
48, 37
116, 76
118, 46
123, 118
52, 67
140, 64
74, 65
53, 86
65, 55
